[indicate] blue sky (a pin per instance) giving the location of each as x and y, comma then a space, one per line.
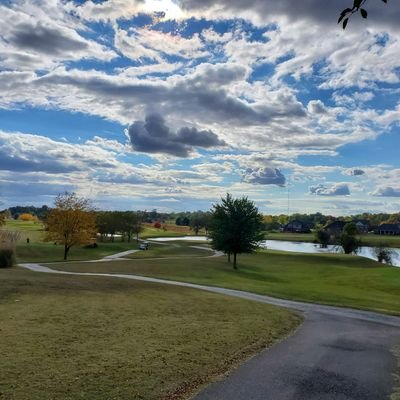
170, 104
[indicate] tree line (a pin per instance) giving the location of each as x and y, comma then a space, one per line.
127, 223
198, 220
314, 220
235, 225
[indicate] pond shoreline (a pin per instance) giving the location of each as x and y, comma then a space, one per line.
297, 247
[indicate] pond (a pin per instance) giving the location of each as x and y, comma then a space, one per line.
299, 247
307, 247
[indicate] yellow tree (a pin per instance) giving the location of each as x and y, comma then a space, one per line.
71, 222
26, 217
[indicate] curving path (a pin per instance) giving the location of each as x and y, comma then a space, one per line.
337, 354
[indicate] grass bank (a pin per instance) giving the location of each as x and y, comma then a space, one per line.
72, 337
334, 279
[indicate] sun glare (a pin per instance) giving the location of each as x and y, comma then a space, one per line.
169, 9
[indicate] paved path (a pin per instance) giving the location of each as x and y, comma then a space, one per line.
114, 257
328, 358
337, 354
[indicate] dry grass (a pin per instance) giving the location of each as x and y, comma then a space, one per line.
335, 279
69, 338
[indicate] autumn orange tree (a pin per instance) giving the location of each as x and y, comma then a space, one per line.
26, 217
71, 222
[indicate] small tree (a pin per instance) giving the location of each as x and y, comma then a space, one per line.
2, 219
71, 222
323, 237
236, 226
197, 222
383, 254
132, 224
138, 226
157, 225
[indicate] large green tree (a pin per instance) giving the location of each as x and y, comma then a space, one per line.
236, 226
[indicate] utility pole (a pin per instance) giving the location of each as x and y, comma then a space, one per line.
288, 200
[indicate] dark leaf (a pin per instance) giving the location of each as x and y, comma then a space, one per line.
343, 14
345, 11
345, 23
340, 18
364, 13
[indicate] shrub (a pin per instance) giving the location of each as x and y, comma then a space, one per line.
322, 237
157, 225
7, 257
384, 254
91, 246
349, 243
26, 217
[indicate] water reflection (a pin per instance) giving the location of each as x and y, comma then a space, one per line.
306, 247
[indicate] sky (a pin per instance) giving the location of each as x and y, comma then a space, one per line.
169, 105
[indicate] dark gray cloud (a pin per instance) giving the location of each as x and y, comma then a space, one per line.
338, 189
317, 107
264, 176
316, 10
355, 172
154, 136
386, 191
44, 39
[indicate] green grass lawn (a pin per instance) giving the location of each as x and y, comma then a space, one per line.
366, 240
292, 237
335, 279
32, 230
95, 338
49, 252
172, 249
376, 240
149, 232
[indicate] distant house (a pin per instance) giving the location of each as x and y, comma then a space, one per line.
387, 229
296, 226
362, 225
335, 227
